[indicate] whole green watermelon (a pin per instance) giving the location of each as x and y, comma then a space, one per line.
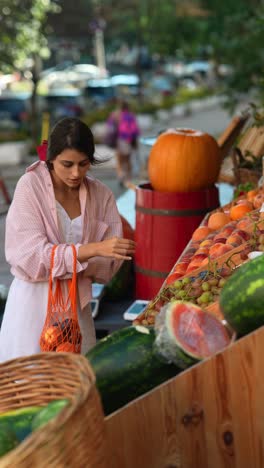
242, 297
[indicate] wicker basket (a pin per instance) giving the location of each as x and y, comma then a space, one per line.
75, 438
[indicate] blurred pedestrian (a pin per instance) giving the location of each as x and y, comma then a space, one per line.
123, 133
57, 203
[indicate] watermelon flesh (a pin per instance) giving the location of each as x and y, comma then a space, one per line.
186, 334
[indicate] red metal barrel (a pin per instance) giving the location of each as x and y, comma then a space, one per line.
165, 222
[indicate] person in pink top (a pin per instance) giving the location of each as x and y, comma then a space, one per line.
57, 203
123, 128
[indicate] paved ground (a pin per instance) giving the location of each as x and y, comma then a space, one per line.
212, 120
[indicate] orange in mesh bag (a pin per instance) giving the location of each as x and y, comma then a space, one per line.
61, 331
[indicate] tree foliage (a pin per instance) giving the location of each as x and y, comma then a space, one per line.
23, 31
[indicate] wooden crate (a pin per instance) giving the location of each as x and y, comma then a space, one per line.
210, 416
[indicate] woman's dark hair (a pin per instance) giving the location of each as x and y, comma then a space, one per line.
70, 133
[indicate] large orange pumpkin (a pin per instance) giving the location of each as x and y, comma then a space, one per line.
184, 160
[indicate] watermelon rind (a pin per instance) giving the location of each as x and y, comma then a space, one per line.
20, 420
8, 439
48, 413
166, 343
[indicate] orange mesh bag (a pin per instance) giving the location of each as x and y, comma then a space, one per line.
61, 331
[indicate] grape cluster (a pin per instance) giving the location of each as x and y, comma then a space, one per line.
202, 290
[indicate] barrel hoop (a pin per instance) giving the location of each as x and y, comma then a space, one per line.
147, 272
163, 212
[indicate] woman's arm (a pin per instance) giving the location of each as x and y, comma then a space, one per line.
106, 254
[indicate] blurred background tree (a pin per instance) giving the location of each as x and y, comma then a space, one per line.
24, 42
47, 33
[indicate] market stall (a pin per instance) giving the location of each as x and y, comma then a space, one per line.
182, 386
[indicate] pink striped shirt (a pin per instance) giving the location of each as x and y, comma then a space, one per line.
32, 229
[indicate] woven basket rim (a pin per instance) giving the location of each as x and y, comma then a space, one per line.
84, 387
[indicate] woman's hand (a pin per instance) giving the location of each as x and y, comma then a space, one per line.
116, 247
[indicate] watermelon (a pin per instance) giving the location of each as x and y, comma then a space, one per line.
126, 366
186, 333
48, 412
8, 439
242, 297
121, 286
19, 421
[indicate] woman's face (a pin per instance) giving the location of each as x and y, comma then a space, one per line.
70, 168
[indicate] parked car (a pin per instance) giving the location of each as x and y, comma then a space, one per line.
63, 103
14, 110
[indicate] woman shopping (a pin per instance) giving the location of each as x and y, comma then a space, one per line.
57, 204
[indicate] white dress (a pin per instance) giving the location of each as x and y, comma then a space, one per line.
25, 311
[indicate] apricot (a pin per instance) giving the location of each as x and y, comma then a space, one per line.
218, 220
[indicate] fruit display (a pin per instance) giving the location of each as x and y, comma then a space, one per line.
134, 360
210, 244
187, 334
242, 298
202, 288
184, 160
217, 247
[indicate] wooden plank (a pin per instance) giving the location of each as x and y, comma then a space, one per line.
211, 415
227, 139
253, 141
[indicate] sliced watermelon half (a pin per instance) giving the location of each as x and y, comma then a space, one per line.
186, 334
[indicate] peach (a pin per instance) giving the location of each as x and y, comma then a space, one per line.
244, 223
220, 239
246, 203
234, 240
198, 257
219, 249
202, 250
228, 229
181, 267
258, 200
192, 268
217, 220
240, 232
201, 233
206, 242
204, 262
